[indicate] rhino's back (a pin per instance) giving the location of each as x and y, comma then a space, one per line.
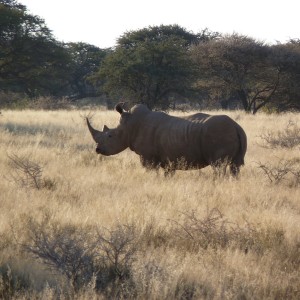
198, 117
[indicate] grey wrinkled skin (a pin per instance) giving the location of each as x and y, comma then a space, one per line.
173, 143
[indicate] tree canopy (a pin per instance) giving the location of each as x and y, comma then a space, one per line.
151, 65
240, 69
85, 60
31, 60
286, 59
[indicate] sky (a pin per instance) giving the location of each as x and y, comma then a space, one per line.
102, 22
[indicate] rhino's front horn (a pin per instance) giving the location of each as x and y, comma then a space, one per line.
95, 133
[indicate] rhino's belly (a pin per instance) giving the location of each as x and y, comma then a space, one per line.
184, 161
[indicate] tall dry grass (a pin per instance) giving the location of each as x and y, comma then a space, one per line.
104, 227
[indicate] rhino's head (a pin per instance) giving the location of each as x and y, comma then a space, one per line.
110, 141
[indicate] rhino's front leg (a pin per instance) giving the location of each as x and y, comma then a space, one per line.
149, 163
169, 169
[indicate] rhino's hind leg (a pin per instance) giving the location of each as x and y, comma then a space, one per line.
219, 167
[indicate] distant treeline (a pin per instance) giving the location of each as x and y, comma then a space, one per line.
162, 66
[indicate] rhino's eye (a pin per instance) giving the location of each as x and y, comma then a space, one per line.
109, 135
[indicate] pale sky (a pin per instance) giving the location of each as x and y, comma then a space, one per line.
100, 23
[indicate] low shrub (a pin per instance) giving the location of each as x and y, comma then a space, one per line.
283, 170
286, 138
215, 231
27, 173
12, 282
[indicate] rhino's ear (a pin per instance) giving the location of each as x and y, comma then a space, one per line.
119, 107
105, 128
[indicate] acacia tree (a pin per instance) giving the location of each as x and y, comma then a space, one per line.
86, 60
286, 57
31, 60
150, 65
237, 67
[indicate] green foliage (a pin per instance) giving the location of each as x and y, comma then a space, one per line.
31, 61
286, 58
235, 67
150, 66
10, 100
85, 60
163, 32
239, 68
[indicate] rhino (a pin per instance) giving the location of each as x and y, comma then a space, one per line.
174, 143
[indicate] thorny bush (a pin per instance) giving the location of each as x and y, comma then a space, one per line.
82, 253
283, 170
286, 138
215, 231
27, 173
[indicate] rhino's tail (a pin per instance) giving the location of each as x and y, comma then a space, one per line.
239, 159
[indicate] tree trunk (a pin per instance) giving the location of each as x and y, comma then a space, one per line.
243, 98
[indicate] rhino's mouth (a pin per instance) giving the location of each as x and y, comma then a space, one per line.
101, 151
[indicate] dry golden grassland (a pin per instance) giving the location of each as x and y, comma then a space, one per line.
77, 225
